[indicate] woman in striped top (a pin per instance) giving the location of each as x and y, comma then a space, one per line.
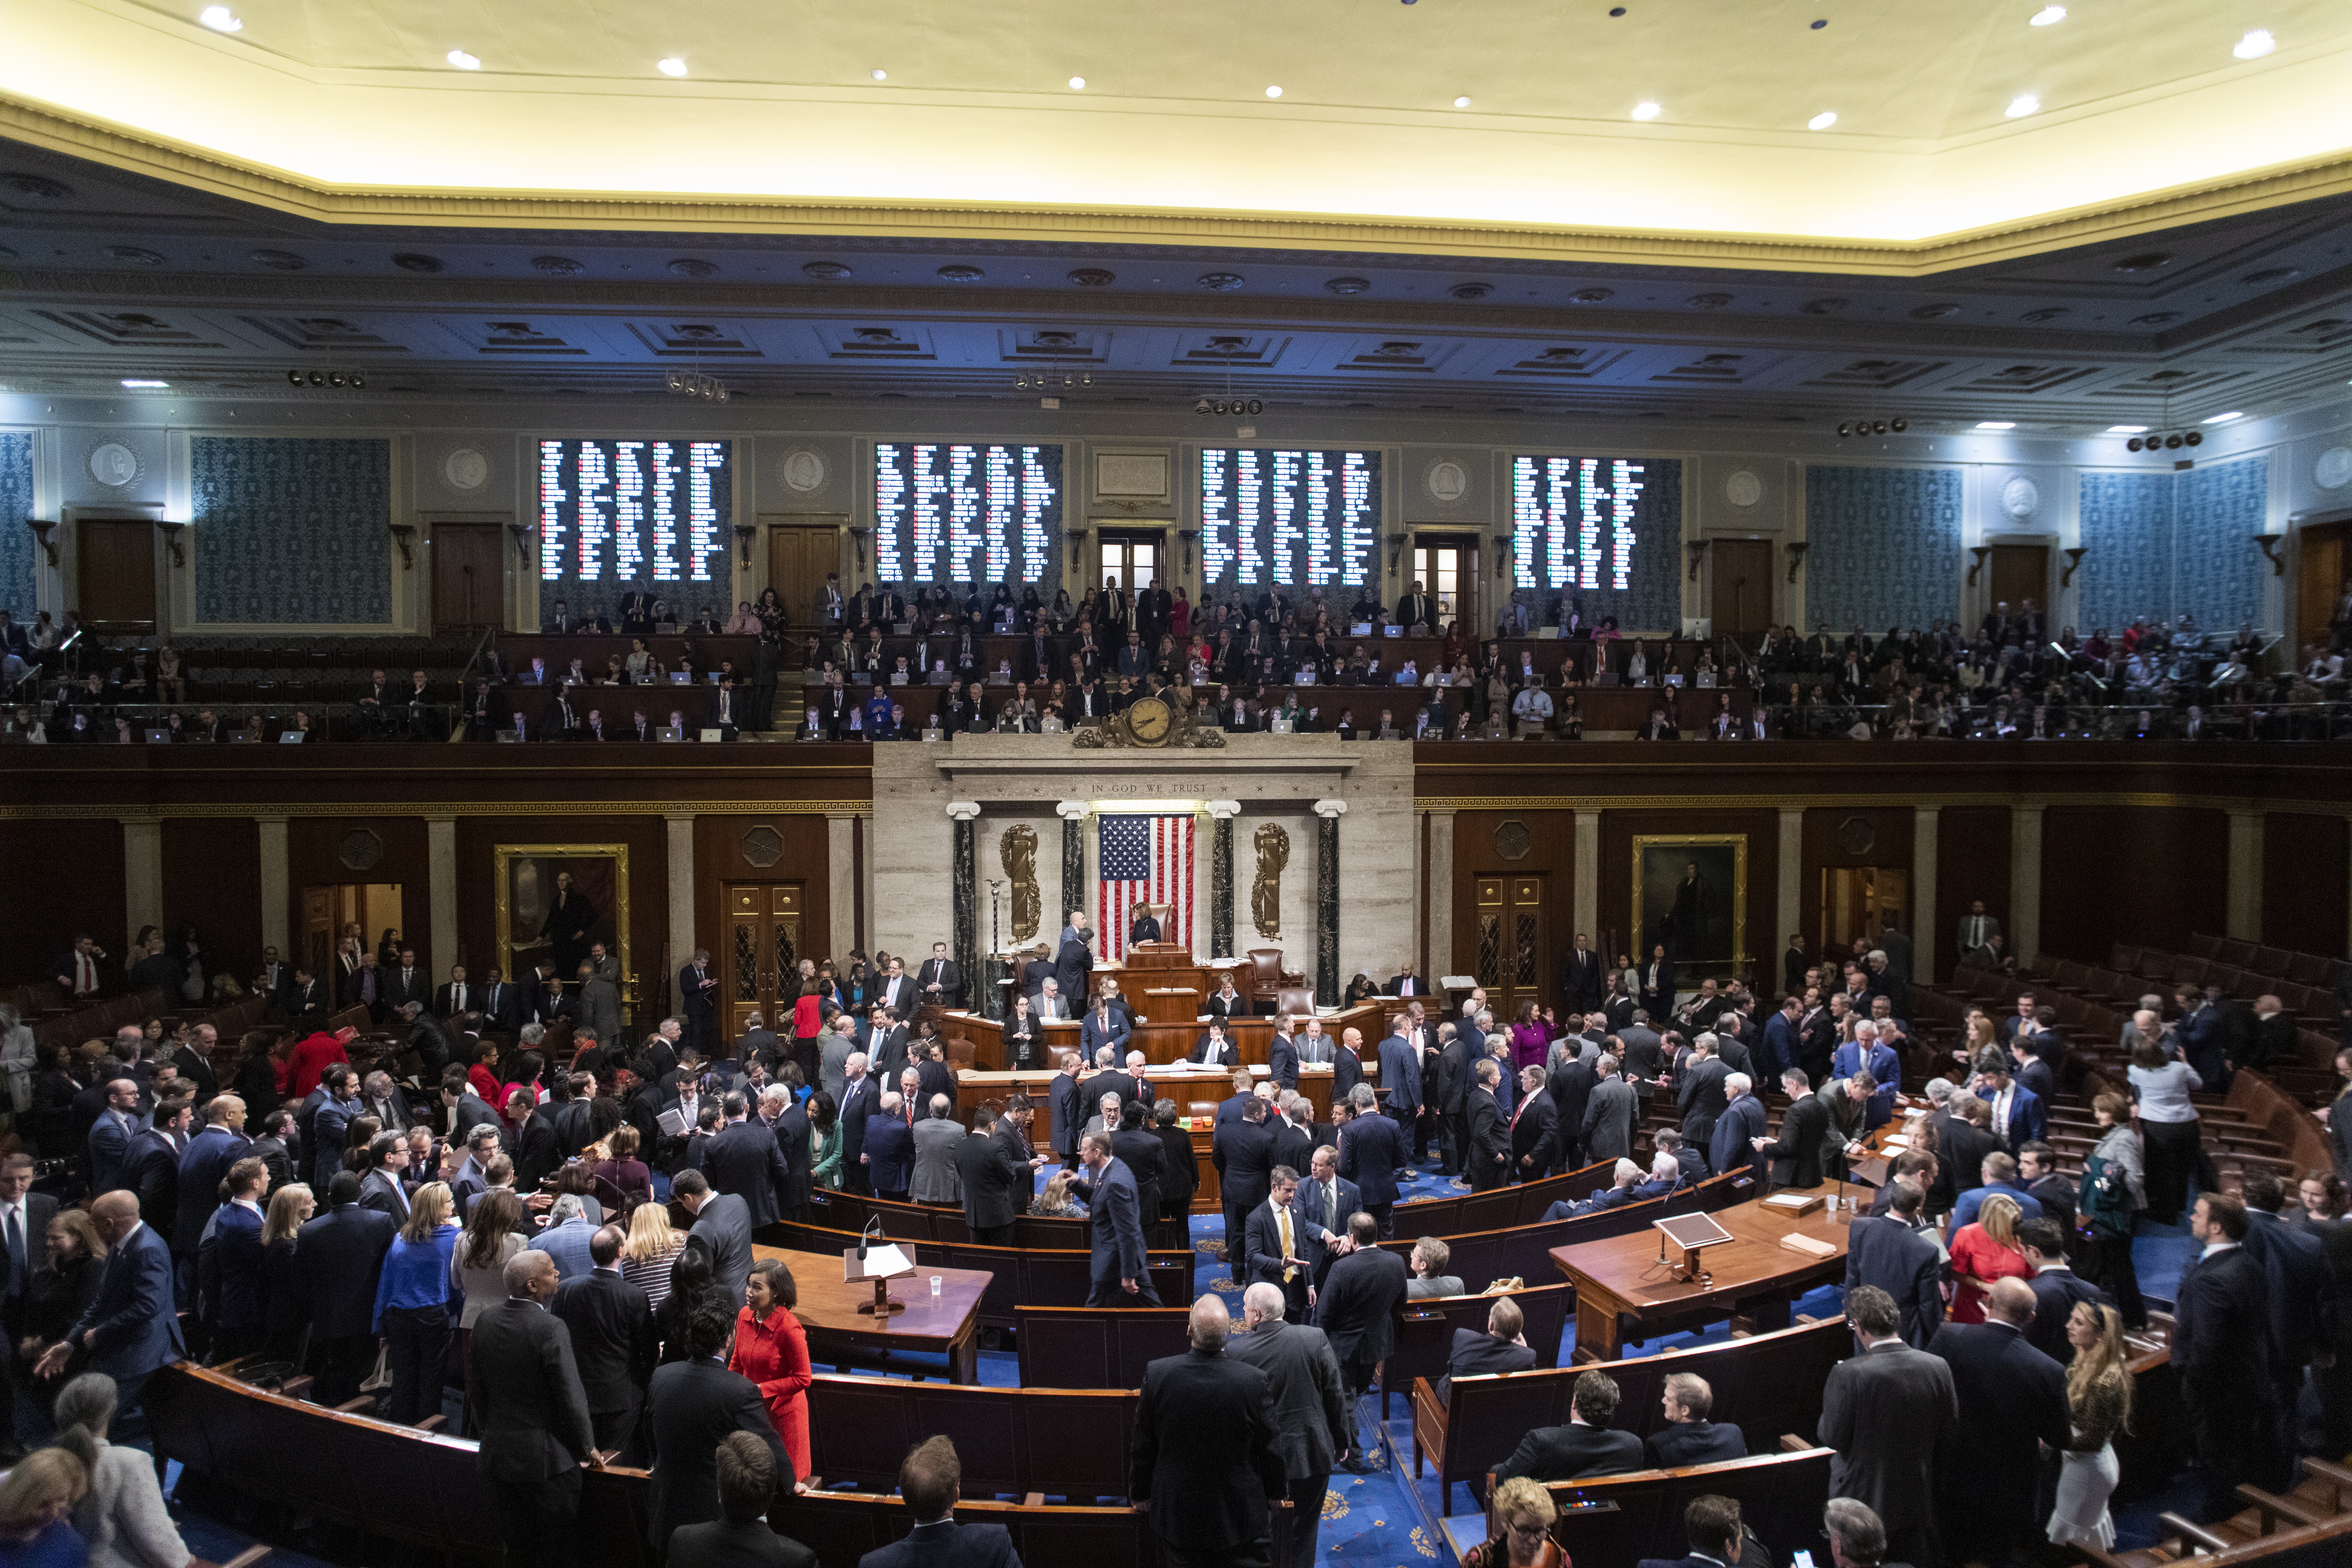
651, 1249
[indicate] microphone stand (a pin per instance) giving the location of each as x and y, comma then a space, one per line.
882, 1307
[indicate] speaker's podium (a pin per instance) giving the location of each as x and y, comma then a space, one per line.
1165, 985
881, 1265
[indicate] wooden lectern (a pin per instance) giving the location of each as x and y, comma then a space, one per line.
1693, 1233
874, 1268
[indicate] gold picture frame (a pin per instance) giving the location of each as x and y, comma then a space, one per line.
524, 887
1660, 861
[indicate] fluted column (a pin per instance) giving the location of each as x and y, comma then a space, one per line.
1327, 899
2024, 883
2243, 911
966, 895
1073, 814
1221, 878
1924, 948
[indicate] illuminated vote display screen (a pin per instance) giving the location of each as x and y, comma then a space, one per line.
1575, 522
965, 512
627, 512
1292, 518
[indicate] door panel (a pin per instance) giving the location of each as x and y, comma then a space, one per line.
1740, 585
2022, 572
2319, 574
1446, 566
759, 966
799, 555
1510, 952
468, 574
115, 571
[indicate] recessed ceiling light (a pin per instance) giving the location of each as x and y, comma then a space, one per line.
671, 67
1274, 92
1823, 121
2255, 45
1646, 110
2224, 418
1996, 424
2048, 17
221, 19
1462, 102
2127, 429
1077, 84
464, 61
132, 381
2023, 104
879, 75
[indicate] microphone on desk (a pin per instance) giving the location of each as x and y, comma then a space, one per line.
873, 1229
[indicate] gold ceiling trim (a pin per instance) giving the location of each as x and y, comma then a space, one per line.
75, 811
201, 169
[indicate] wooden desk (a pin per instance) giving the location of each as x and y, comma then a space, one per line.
1164, 1043
828, 1311
1622, 1278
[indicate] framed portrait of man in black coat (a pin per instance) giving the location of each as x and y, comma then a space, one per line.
1690, 894
556, 901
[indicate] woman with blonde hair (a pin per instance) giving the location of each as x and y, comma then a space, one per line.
414, 1297
1524, 1511
2098, 1404
651, 1251
1056, 1203
40, 1490
287, 1309
1985, 1252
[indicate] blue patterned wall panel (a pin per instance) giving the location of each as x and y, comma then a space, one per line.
2217, 573
2127, 531
1882, 547
17, 542
291, 531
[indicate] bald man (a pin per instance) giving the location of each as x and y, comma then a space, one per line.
1202, 1468
2012, 1400
131, 1328
526, 1393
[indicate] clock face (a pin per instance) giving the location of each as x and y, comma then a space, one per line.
1148, 720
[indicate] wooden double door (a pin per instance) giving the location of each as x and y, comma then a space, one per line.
1739, 587
1510, 952
760, 963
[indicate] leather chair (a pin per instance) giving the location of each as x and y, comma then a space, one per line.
1266, 976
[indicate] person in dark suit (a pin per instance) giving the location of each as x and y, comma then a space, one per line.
1535, 1128
1073, 961
1688, 1438
1888, 1411
698, 988
986, 1176
1796, 1153
1711, 1525
111, 1135
1203, 1466
337, 1258
1243, 1152
1579, 976
130, 1328
889, 1149
2056, 1288
524, 1389
939, 981
1307, 1408
1134, 1145
745, 1160
930, 1478
1358, 1312
1502, 1348
24, 1217
1587, 1446
1893, 1254
742, 1537
2223, 1349
690, 1408
1488, 1155
1401, 1076
1347, 1064
1732, 1146
613, 1345
151, 1171
722, 1224
1114, 1205
1371, 1151
1214, 1048
2011, 1397
1283, 1246
1612, 1114
861, 1101
1282, 1059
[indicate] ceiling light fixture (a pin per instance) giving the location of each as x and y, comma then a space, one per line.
2255, 45
1077, 84
2223, 418
1463, 102
2048, 17
221, 19
1823, 121
1996, 424
1274, 92
671, 67
2023, 104
464, 61
1646, 110
879, 75
134, 380
2127, 429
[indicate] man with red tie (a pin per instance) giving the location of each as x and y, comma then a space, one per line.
78, 974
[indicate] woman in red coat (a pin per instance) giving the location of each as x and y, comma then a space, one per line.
771, 1350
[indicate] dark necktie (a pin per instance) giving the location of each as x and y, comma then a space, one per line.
19, 1266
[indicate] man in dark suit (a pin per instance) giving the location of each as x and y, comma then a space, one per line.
1701, 1094
1401, 1076
1283, 1246
1893, 1254
1203, 1466
204, 1165
1371, 1150
337, 1258
1488, 1154
1073, 962
457, 996
2222, 1350
698, 989
1796, 1153
1357, 1311
24, 1217
722, 1224
1888, 1411
1503, 1347
1114, 1205
130, 1328
1307, 1405
612, 1343
1347, 1063
1241, 1150
1282, 1058
404, 982
742, 1537
889, 1151
690, 1408
2297, 1292
2057, 1289
1326, 1199
1134, 1145
152, 1170
1688, 1438
1214, 1048
2011, 1397
1587, 1446
525, 1390
861, 1101
939, 981
1580, 977
986, 1176
929, 1479
744, 1160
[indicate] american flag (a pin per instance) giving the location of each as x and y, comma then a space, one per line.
1144, 859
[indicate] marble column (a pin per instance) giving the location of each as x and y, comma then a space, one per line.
679, 853
1073, 814
1790, 910
1924, 947
2024, 883
1586, 887
276, 885
2244, 911
841, 882
965, 813
143, 874
1221, 878
1437, 903
441, 893
1327, 901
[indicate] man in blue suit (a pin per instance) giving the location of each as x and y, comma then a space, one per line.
131, 1328
204, 1165
1326, 1198
111, 1135
1401, 1075
1779, 1050
1121, 1278
1282, 1057
1866, 1054
1105, 1026
2019, 1117
2000, 1175
889, 1149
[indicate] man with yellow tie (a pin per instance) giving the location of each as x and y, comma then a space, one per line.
1284, 1246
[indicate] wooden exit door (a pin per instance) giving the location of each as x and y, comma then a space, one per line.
468, 574
1740, 585
327, 908
2020, 573
2320, 572
115, 569
1858, 900
761, 964
799, 555
1511, 957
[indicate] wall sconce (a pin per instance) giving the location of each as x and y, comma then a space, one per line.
1396, 542
402, 535
1982, 552
2074, 558
171, 531
859, 535
520, 533
1696, 550
2268, 543
47, 533
743, 544
1077, 537
1502, 556
1796, 549
1188, 535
